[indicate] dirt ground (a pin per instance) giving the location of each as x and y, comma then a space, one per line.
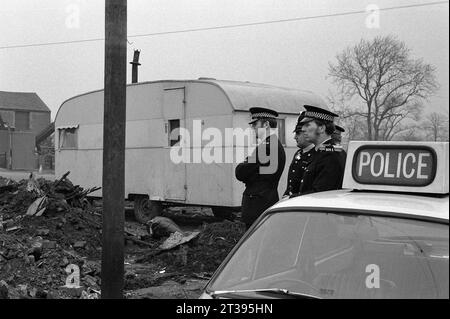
38, 253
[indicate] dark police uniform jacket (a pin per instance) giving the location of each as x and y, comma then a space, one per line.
326, 170
298, 166
260, 188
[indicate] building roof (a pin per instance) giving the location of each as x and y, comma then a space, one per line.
408, 205
23, 101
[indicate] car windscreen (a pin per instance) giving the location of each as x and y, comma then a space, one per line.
334, 255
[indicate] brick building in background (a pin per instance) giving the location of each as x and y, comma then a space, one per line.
24, 116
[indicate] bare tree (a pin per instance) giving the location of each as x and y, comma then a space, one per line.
390, 84
349, 119
394, 124
412, 132
436, 125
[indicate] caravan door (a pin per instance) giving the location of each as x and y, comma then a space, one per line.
174, 116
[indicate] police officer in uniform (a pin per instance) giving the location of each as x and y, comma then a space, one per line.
337, 134
301, 160
261, 171
326, 170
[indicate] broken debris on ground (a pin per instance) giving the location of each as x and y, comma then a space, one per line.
63, 227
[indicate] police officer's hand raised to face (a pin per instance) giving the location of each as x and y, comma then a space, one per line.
262, 170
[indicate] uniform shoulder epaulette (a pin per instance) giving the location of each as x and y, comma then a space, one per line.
330, 148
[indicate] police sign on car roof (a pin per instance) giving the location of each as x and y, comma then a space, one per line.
398, 167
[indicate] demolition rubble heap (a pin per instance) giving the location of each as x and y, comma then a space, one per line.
48, 226
44, 227
205, 252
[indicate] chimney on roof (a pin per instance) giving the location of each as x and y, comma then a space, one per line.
135, 63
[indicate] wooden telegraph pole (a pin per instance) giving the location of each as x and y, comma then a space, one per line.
114, 149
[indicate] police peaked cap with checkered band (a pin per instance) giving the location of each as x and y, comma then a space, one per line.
299, 124
259, 113
316, 113
339, 129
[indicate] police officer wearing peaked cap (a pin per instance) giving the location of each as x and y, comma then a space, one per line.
300, 161
261, 171
261, 113
326, 170
337, 134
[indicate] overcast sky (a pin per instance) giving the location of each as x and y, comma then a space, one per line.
291, 54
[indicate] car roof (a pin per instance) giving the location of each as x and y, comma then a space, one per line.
399, 204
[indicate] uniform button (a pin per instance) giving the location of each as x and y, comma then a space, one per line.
301, 181
293, 170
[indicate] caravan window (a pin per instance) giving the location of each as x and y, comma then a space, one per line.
68, 138
174, 132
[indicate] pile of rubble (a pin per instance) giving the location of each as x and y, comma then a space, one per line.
44, 227
35, 197
178, 265
50, 233
203, 253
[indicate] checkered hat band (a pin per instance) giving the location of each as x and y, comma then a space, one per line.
262, 114
319, 116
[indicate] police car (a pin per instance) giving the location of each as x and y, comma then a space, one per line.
384, 235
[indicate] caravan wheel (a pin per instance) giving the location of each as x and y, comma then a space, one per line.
145, 209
